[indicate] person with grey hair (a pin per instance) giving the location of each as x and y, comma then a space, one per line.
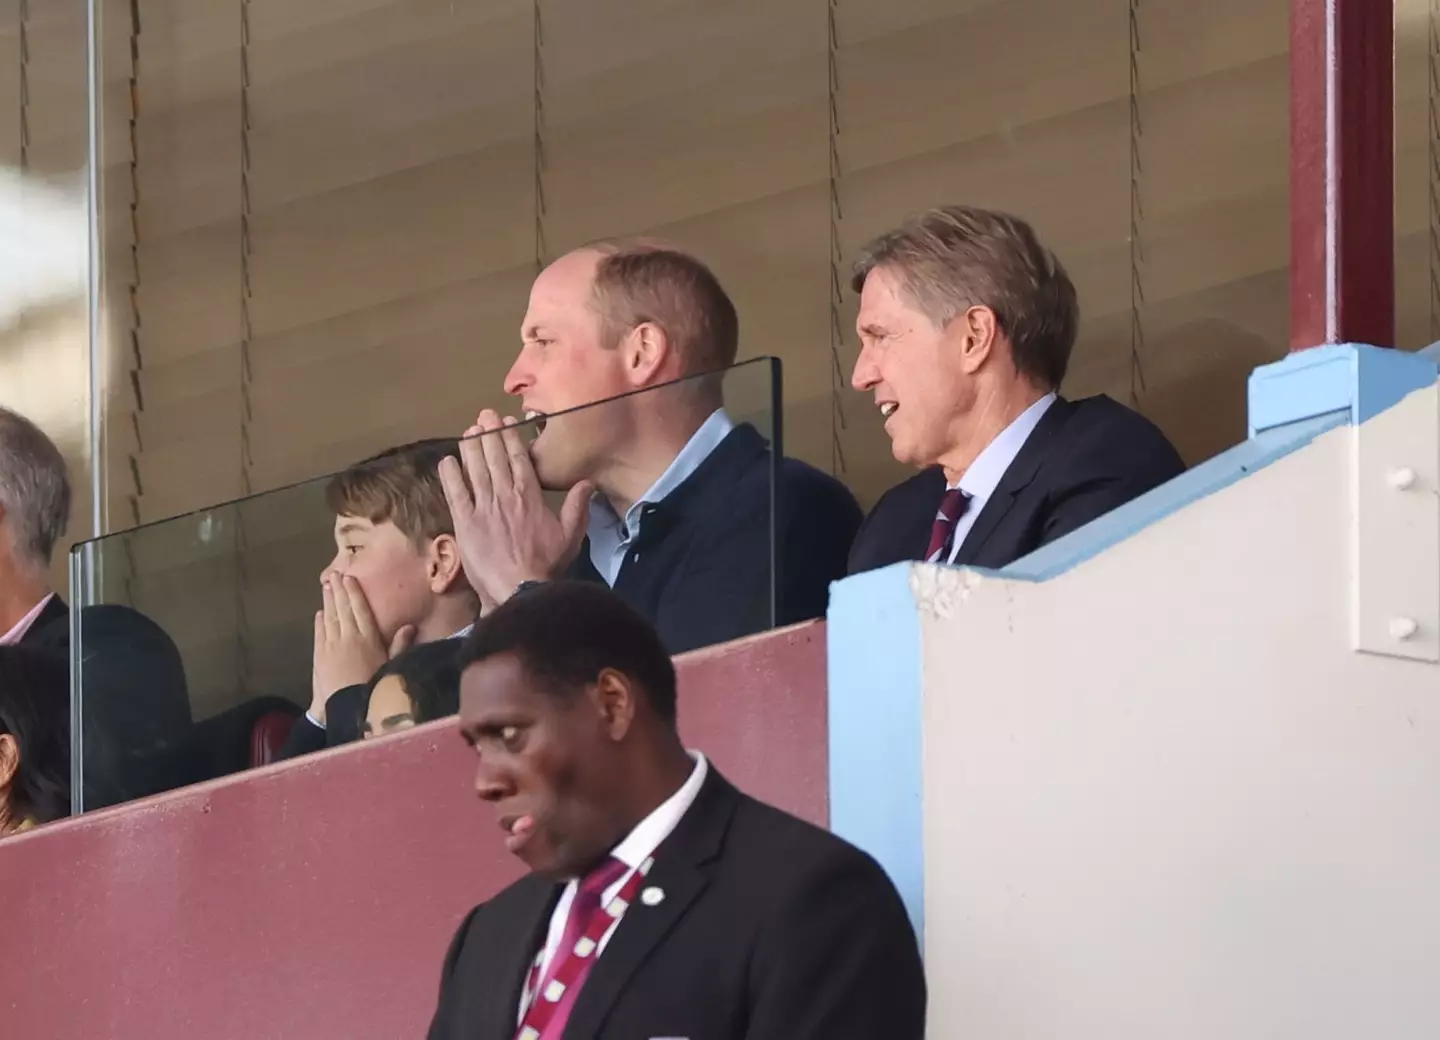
966, 326
34, 512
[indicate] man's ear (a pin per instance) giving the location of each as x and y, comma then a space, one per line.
648, 355
614, 696
9, 760
977, 332
443, 565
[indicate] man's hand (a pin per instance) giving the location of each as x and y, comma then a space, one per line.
348, 646
506, 532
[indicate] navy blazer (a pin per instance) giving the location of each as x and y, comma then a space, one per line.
700, 567
1082, 460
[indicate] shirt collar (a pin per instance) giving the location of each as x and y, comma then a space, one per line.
697, 449
13, 637
641, 843
988, 469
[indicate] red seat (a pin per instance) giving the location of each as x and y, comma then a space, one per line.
268, 736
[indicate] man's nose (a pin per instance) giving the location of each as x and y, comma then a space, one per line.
491, 784
519, 379
867, 374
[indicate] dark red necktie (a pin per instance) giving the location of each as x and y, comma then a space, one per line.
549, 999
952, 508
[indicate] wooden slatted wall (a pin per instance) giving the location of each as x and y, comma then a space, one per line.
322, 218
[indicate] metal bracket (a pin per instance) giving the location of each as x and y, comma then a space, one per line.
1395, 497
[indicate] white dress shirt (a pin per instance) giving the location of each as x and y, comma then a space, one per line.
988, 469
637, 846
611, 537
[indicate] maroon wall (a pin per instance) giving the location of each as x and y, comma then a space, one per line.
314, 899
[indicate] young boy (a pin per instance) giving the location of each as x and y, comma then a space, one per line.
396, 580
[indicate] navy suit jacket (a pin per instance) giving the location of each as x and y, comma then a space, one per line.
1081, 461
700, 567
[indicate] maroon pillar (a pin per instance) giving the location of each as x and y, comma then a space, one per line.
1342, 172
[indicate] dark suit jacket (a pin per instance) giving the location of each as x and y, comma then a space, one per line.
51, 630
344, 723
770, 929
137, 720
344, 714
1082, 460
700, 569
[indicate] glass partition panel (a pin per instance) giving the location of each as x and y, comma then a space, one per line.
193, 637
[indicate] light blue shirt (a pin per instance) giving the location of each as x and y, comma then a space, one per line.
611, 537
988, 469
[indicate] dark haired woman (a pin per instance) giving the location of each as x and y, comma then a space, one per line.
420, 685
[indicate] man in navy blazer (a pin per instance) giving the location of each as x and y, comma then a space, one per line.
966, 326
670, 501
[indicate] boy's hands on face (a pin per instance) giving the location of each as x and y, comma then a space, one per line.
349, 648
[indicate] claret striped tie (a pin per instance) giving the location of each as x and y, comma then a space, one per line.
952, 508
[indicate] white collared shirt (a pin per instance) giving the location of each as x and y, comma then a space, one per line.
637, 846
611, 537
988, 469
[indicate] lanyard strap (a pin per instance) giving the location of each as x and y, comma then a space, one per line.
570, 966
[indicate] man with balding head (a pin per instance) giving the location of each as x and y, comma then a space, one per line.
34, 512
966, 326
669, 499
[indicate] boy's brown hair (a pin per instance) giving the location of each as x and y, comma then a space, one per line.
402, 486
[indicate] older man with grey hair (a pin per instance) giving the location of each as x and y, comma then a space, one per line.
966, 325
34, 511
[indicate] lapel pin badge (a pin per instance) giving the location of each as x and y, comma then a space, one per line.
652, 896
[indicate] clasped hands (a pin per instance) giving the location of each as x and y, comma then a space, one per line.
505, 531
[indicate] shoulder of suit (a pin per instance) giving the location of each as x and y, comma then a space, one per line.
1097, 423
1104, 412
811, 485
791, 847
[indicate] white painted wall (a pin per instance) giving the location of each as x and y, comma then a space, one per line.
1165, 798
